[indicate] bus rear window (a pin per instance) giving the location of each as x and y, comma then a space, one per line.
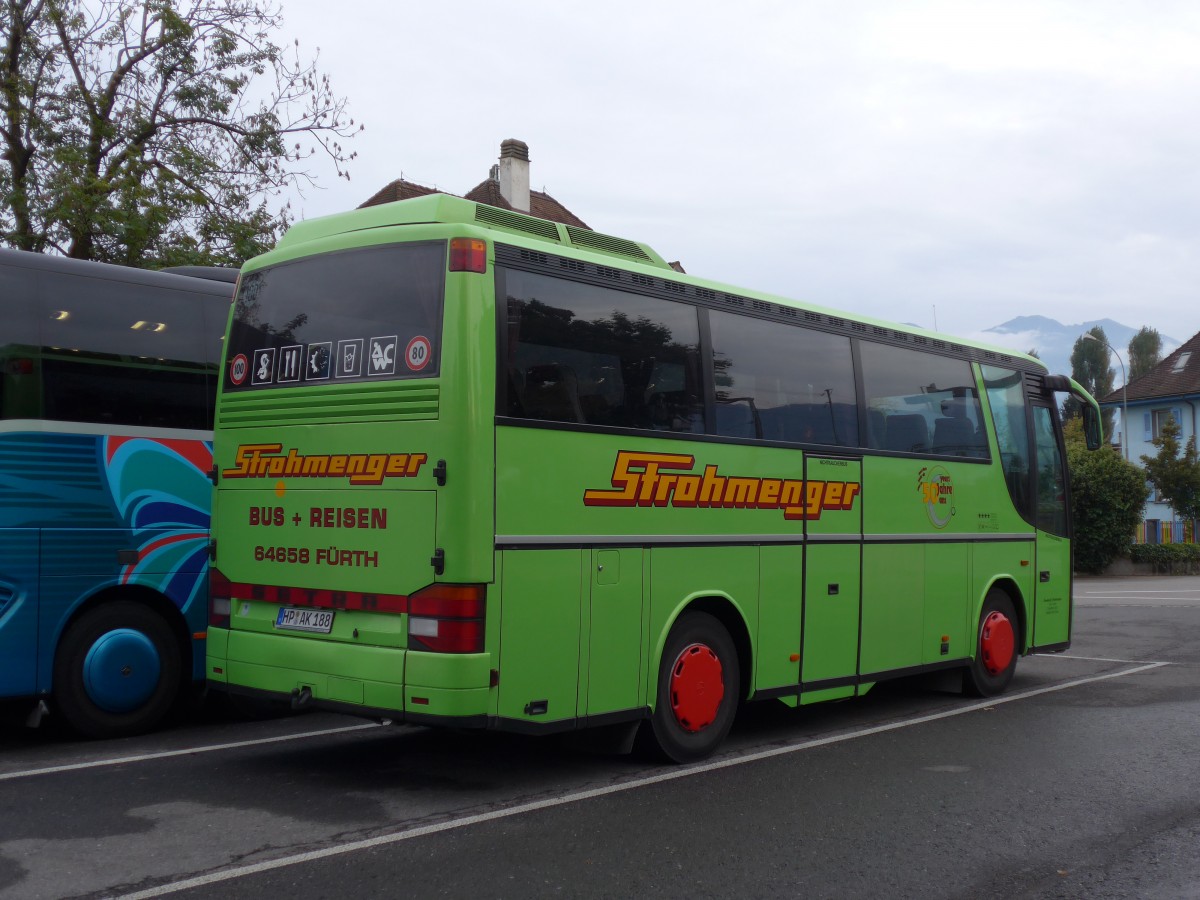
357, 315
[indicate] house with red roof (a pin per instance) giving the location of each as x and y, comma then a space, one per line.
507, 186
1172, 388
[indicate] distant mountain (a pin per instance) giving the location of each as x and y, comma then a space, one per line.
1054, 341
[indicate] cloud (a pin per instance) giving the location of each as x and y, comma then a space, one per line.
990, 159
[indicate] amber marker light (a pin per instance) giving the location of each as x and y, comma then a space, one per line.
468, 255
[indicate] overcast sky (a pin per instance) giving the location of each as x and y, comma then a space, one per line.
987, 159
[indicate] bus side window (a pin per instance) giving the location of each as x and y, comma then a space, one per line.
20, 372
1006, 397
737, 417
670, 404
954, 433
515, 394
782, 382
216, 318
144, 362
1051, 481
921, 402
876, 428
552, 392
581, 353
907, 433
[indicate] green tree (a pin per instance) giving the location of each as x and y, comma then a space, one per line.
1089, 366
1108, 496
1145, 352
1175, 471
157, 132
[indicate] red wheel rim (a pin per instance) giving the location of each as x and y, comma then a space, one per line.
997, 642
697, 687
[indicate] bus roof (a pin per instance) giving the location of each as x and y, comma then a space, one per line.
444, 208
210, 284
529, 231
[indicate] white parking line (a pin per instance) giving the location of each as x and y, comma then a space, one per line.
1132, 595
190, 751
1128, 662
1131, 603
578, 796
1116, 592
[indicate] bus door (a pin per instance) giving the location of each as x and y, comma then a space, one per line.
832, 573
1052, 605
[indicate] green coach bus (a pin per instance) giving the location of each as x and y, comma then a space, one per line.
485, 470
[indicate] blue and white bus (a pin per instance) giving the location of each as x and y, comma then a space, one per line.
107, 380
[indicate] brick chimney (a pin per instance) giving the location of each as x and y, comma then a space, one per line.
514, 174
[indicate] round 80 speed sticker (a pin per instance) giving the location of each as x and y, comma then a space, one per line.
418, 353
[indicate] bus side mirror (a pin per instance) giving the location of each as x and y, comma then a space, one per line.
1092, 429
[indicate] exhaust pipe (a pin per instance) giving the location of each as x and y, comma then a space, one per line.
301, 697
34, 719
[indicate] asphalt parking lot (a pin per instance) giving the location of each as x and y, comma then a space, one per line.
1080, 782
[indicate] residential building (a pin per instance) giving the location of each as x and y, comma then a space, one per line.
1172, 388
507, 186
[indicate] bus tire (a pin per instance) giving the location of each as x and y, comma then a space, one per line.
698, 684
117, 671
996, 647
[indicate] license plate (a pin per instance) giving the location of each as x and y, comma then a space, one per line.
317, 620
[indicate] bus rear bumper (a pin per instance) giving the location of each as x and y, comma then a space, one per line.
385, 716
377, 682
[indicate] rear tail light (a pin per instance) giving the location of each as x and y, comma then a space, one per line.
468, 255
219, 602
447, 618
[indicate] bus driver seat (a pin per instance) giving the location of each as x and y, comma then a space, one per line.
954, 434
908, 433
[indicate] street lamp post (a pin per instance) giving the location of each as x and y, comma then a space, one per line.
1124, 406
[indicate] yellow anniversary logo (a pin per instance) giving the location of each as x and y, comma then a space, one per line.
937, 493
668, 479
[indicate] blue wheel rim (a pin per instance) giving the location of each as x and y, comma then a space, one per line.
121, 670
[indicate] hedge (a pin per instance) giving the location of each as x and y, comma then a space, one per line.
1168, 559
